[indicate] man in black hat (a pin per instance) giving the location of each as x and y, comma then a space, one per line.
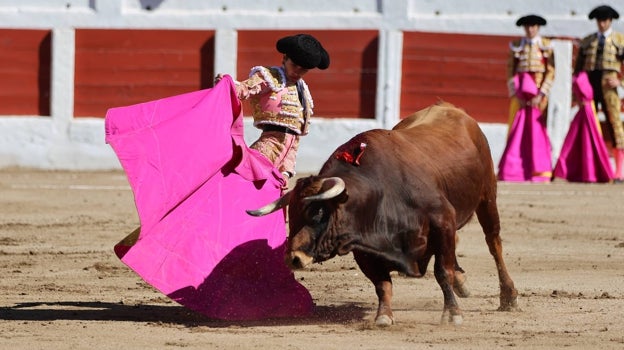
281, 101
601, 54
533, 54
530, 55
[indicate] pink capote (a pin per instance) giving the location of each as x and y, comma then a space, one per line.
528, 149
193, 177
584, 156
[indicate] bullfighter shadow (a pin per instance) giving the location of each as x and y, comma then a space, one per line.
98, 311
172, 314
250, 285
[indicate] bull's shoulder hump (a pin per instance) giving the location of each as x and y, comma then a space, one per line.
433, 116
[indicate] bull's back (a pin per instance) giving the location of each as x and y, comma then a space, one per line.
447, 131
456, 151
440, 140
437, 149
442, 120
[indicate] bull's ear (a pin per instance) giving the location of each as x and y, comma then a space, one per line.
343, 197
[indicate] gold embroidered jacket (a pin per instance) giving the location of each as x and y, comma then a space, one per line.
535, 57
612, 56
275, 102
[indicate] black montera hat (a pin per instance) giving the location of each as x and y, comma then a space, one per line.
531, 20
304, 50
604, 12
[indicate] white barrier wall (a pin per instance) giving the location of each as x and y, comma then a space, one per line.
63, 142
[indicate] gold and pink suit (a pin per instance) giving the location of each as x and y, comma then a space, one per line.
599, 68
534, 56
530, 72
282, 110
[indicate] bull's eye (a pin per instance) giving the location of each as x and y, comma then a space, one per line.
318, 216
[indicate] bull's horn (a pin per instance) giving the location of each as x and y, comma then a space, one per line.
336, 186
271, 207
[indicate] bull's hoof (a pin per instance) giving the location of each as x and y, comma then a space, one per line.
457, 320
447, 318
384, 321
459, 285
509, 305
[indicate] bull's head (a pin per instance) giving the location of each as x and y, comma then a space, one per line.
312, 212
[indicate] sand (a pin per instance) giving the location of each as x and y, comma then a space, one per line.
63, 288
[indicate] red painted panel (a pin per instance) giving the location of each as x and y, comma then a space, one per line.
123, 67
25, 57
466, 70
345, 90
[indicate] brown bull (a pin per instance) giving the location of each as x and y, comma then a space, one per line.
395, 198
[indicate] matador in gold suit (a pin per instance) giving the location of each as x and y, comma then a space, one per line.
281, 101
532, 57
601, 54
535, 56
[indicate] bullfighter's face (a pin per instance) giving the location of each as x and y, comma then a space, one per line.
294, 72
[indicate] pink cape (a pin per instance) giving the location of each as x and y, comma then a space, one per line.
193, 177
528, 149
584, 156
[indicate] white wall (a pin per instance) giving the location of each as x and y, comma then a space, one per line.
62, 142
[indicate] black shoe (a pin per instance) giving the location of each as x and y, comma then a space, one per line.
618, 181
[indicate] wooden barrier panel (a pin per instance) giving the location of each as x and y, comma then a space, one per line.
124, 67
25, 57
347, 89
466, 70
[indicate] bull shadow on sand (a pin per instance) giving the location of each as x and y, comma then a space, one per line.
173, 314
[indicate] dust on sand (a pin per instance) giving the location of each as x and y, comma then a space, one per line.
63, 288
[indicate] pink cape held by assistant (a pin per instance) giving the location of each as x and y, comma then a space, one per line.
527, 154
193, 177
584, 156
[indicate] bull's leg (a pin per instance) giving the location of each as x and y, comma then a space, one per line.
444, 271
487, 213
380, 276
459, 283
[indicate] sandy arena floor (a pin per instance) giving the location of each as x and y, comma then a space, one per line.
63, 288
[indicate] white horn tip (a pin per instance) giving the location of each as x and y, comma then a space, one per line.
254, 212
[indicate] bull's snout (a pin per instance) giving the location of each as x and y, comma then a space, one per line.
298, 260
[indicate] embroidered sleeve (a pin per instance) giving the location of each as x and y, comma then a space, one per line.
252, 86
515, 47
618, 42
512, 62
549, 73
261, 80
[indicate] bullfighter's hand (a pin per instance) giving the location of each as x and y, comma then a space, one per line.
523, 102
613, 82
535, 101
218, 78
